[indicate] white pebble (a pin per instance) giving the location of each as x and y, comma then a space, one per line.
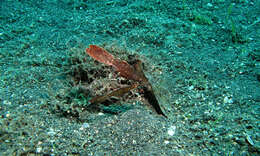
84, 126
166, 142
227, 100
51, 132
209, 5
171, 130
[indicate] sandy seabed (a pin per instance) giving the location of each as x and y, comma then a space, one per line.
202, 58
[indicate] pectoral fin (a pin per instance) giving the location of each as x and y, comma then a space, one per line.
117, 93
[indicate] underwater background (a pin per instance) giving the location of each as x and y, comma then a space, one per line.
201, 57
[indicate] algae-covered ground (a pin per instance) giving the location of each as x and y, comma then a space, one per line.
201, 57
